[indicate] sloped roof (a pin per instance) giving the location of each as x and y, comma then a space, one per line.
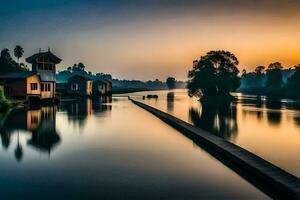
103, 81
36, 56
18, 75
82, 76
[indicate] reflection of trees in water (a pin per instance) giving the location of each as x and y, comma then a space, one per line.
295, 105
170, 101
40, 122
253, 102
19, 150
219, 119
274, 115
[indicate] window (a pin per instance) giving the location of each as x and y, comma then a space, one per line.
45, 87
34, 86
74, 87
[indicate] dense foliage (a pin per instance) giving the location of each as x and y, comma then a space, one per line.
7, 63
215, 74
274, 81
171, 82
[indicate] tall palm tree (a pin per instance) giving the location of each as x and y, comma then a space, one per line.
18, 52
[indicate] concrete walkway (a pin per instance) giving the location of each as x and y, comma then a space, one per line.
271, 179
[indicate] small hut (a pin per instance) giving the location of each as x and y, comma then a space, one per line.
102, 88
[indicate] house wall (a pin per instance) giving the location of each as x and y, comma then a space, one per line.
82, 86
89, 87
101, 88
48, 94
108, 87
15, 88
33, 79
41, 67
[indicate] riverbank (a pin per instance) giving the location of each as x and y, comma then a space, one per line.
274, 179
131, 90
272, 93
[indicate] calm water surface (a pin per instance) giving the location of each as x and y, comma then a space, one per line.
269, 128
109, 150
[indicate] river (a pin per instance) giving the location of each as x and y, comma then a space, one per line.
269, 128
109, 149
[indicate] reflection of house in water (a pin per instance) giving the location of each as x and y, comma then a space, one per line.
79, 111
39, 122
42, 124
101, 104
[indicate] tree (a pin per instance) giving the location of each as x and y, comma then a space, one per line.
171, 81
260, 70
7, 64
215, 74
81, 66
18, 52
274, 75
293, 82
5, 53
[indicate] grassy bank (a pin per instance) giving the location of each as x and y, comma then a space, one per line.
5, 104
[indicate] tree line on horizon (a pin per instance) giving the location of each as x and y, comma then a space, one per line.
272, 81
119, 84
216, 74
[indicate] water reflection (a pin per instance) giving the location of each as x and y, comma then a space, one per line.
274, 113
170, 101
219, 119
19, 150
79, 111
40, 124
101, 105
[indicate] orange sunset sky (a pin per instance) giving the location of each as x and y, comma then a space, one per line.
143, 39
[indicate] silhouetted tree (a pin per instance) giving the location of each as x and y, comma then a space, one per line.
274, 75
7, 64
81, 66
171, 81
18, 52
215, 74
260, 70
293, 83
